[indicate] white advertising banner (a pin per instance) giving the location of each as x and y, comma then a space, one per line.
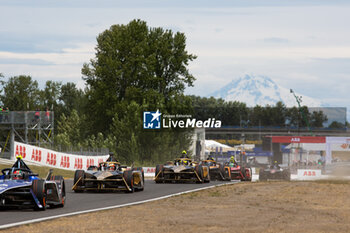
149, 171
309, 174
46, 157
344, 141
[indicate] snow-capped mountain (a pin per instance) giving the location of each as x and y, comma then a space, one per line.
261, 90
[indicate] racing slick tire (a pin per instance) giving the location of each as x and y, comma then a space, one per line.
77, 175
159, 168
248, 174
61, 186
129, 178
225, 173
143, 183
199, 171
221, 172
39, 190
244, 175
143, 177
207, 178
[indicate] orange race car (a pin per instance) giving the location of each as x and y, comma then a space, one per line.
216, 170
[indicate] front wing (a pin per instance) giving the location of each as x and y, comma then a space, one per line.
108, 184
181, 176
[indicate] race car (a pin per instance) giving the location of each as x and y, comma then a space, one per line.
109, 176
181, 170
274, 172
216, 170
20, 187
234, 171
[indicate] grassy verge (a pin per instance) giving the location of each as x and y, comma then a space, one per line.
42, 170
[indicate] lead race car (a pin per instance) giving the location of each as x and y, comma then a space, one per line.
181, 170
109, 176
20, 187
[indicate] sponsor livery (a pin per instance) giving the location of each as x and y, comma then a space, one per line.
19, 187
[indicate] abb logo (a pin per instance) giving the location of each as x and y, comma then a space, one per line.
51, 159
295, 139
78, 164
21, 150
90, 162
150, 170
345, 146
65, 162
36, 155
309, 173
100, 160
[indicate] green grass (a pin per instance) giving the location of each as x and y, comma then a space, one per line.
42, 171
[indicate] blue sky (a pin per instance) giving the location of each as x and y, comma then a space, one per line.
303, 45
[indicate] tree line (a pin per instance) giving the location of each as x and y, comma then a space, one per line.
235, 113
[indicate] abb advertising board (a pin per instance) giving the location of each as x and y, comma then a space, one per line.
43, 156
309, 174
149, 171
298, 139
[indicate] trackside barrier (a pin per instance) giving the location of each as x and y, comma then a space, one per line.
46, 157
253, 170
149, 171
309, 174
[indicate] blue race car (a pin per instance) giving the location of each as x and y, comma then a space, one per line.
20, 187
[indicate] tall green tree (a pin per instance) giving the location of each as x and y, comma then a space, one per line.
279, 112
70, 97
135, 63
69, 131
317, 119
293, 117
50, 95
21, 93
134, 144
2, 82
257, 114
336, 125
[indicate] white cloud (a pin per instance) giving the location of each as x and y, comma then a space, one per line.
304, 47
67, 56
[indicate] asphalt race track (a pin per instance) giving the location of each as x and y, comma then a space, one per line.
87, 201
